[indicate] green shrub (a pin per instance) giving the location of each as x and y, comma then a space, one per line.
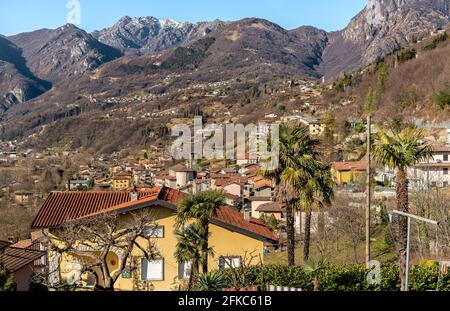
444, 283
443, 99
441, 38
6, 281
351, 277
406, 55
343, 83
212, 282
343, 278
423, 278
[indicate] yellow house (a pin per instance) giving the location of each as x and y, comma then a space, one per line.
234, 237
121, 182
348, 172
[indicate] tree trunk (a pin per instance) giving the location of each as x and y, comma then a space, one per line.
205, 249
307, 240
402, 205
290, 230
192, 275
316, 284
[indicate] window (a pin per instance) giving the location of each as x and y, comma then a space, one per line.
434, 184
445, 184
445, 157
445, 171
152, 270
154, 232
230, 262
184, 270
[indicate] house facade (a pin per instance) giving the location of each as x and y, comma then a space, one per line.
233, 236
21, 262
345, 173
433, 172
121, 182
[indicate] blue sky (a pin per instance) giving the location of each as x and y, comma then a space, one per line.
27, 15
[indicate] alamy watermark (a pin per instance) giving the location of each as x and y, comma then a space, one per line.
374, 275
227, 142
74, 14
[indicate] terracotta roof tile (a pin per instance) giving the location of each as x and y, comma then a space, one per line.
14, 258
349, 166
23, 244
272, 207
263, 183
4, 244
62, 207
439, 147
226, 215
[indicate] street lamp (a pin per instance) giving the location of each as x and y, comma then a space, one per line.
408, 241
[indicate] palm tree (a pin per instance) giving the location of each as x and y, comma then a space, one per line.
199, 208
317, 192
400, 150
189, 250
313, 268
296, 176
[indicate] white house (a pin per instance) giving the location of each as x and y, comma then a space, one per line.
433, 172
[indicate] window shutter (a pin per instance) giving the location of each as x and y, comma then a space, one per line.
153, 270
144, 269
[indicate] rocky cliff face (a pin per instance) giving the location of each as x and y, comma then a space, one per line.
250, 45
65, 52
148, 34
17, 83
381, 27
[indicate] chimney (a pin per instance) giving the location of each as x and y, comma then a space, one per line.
134, 196
247, 216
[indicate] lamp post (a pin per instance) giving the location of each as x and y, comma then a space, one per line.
408, 241
368, 190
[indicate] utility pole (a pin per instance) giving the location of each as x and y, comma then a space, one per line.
368, 190
408, 243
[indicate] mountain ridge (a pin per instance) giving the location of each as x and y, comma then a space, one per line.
144, 52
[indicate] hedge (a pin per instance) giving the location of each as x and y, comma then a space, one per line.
342, 278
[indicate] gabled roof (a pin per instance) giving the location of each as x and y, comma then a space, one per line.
263, 183
272, 207
77, 205
181, 168
60, 207
231, 196
439, 147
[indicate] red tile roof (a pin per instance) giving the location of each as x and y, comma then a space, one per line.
350, 166
231, 196
14, 258
23, 243
263, 183
231, 218
272, 207
62, 207
4, 244
439, 147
